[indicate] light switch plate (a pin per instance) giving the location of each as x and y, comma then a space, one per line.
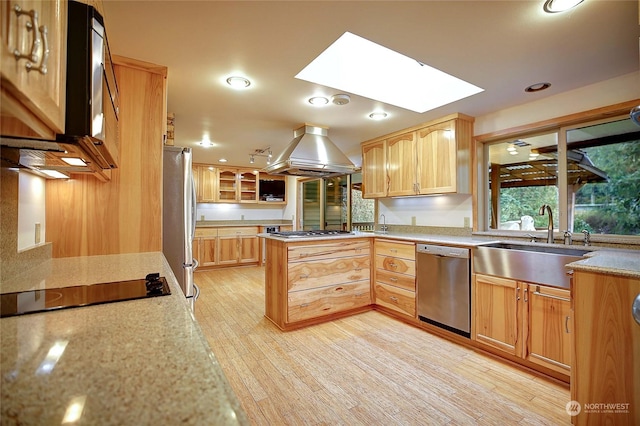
467, 222
38, 233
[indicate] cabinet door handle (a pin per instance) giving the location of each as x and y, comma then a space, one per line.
517, 293
566, 324
526, 292
45, 53
31, 25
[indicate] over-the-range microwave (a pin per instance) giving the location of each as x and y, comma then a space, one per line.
91, 102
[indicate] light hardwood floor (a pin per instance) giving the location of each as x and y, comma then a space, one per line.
368, 369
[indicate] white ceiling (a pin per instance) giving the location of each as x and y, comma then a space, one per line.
500, 46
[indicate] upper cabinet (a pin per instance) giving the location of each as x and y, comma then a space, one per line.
216, 184
237, 185
433, 158
33, 41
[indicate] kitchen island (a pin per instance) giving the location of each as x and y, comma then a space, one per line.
141, 361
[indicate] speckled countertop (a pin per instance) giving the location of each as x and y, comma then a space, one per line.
601, 259
142, 361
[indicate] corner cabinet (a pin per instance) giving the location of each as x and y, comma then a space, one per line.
33, 83
525, 320
312, 282
433, 158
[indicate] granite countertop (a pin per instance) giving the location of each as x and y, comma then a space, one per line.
600, 259
141, 361
223, 223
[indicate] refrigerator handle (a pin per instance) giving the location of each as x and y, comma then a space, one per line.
194, 213
195, 296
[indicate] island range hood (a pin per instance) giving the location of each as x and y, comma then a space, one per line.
311, 154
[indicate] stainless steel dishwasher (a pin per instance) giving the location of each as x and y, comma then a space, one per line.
444, 287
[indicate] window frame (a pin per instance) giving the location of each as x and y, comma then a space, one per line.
561, 125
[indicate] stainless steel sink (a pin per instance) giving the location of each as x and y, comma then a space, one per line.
540, 264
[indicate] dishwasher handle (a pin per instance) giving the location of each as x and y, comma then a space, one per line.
443, 251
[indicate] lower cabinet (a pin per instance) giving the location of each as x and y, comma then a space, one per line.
323, 279
395, 276
226, 246
529, 321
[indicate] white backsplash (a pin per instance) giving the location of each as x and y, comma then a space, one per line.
440, 210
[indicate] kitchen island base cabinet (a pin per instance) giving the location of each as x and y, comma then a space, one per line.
312, 282
606, 349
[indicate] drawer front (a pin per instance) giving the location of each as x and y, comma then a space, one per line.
346, 248
327, 300
407, 282
395, 298
244, 230
307, 275
206, 232
394, 264
396, 249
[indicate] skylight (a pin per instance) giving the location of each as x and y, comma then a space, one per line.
357, 65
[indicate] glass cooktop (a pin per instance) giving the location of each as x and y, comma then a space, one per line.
27, 302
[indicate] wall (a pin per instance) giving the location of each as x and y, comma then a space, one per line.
450, 210
31, 210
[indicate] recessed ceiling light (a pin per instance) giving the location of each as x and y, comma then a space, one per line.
238, 82
73, 161
223, 160
378, 115
555, 6
537, 87
318, 101
357, 65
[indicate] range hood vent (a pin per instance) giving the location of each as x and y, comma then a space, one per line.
311, 154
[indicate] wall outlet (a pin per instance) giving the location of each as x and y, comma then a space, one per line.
38, 233
413, 221
202, 217
241, 217
467, 222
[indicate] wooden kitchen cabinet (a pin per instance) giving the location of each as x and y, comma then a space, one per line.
206, 181
432, 158
605, 348
238, 245
528, 321
237, 185
311, 282
374, 161
205, 247
395, 276
33, 90
401, 156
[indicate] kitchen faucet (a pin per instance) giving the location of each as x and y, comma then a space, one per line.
550, 226
383, 228
587, 237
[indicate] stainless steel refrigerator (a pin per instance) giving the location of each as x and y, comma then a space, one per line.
179, 217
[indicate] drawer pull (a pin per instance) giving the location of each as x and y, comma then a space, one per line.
304, 276
304, 305
393, 250
358, 269
393, 279
393, 298
550, 296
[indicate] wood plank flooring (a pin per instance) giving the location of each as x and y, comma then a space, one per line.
368, 369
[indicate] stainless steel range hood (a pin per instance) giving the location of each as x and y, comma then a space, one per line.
311, 154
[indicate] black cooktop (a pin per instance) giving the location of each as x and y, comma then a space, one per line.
311, 233
27, 302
